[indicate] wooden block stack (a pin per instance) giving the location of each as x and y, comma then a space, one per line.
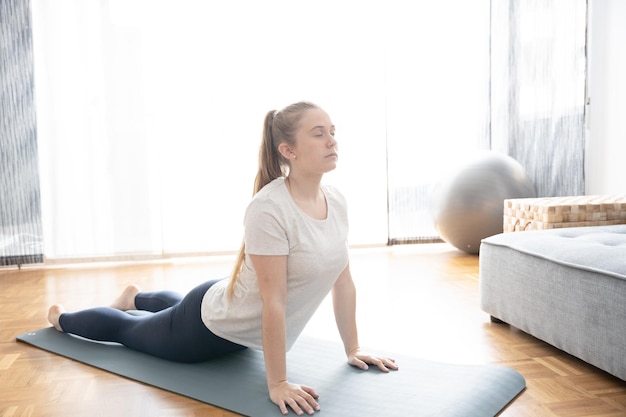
556, 212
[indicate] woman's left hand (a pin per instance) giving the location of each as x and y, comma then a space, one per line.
362, 360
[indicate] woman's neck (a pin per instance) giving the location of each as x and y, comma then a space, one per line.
308, 196
304, 188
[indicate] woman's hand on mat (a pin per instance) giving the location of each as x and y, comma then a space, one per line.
299, 398
363, 360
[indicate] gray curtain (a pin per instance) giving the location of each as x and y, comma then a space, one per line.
20, 213
538, 73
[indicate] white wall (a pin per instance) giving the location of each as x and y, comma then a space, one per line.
605, 163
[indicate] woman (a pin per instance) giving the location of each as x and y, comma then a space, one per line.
294, 252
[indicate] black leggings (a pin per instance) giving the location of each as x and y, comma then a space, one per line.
175, 331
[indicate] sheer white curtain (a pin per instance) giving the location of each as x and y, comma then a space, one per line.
150, 115
437, 103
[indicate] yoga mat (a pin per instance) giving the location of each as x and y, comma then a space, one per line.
236, 381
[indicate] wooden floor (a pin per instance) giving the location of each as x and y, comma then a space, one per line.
420, 300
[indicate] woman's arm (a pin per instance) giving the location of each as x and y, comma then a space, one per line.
272, 278
344, 304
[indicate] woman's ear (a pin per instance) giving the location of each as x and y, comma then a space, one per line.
286, 151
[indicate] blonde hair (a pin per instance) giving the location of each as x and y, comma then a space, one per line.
278, 127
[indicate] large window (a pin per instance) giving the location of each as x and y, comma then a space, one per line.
150, 112
150, 115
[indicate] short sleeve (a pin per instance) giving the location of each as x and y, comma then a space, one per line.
265, 233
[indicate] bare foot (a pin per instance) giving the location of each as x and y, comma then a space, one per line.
126, 300
54, 314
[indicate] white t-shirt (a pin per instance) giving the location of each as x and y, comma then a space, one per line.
317, 254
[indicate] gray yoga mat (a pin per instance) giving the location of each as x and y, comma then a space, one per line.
236, 381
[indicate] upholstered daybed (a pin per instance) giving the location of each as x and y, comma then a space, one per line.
564, 286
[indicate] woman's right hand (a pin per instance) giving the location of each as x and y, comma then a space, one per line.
299, 398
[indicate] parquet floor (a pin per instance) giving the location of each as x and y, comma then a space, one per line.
420, 300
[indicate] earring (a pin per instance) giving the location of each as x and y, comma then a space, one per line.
294, 156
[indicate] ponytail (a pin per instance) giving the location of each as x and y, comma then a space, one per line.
278, 127
270, 168
270, 160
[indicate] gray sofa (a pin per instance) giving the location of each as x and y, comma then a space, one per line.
564, 286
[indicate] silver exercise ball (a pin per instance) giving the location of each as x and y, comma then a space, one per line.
468, 204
